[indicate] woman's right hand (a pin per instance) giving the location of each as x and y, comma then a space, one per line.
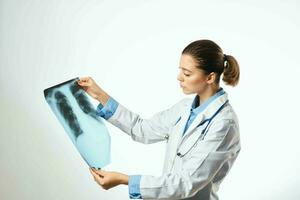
91, 87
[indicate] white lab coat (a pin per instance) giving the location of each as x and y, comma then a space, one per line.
207, 159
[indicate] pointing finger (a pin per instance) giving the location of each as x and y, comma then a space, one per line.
99, 172
96, 172
84, 78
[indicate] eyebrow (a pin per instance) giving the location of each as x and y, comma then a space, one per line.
185, 69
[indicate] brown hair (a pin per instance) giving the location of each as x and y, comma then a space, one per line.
210, 58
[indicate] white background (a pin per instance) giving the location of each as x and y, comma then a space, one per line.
132, 50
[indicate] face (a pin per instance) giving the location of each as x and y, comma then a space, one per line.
192, 79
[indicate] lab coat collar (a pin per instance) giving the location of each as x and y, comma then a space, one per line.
196, 108
206, 113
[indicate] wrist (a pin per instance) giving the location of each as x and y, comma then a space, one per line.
102, 97
124, 179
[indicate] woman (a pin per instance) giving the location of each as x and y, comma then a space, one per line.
202, 133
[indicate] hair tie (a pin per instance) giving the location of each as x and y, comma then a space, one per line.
225, 61
225, 57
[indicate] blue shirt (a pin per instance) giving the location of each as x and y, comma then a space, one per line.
196, 108
109, 109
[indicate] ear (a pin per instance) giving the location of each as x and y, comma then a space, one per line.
211, 78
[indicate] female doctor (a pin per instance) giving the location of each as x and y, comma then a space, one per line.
202, 133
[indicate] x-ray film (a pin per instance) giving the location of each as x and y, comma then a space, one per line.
77, 115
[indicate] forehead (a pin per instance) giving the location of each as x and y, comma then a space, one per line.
187, 62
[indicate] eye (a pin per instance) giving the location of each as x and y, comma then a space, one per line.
187, 74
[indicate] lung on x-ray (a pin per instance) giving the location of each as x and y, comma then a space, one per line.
77, 115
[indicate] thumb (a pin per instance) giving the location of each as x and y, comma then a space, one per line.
83, 83
100, 172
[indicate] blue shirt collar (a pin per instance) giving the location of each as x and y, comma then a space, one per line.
197, 109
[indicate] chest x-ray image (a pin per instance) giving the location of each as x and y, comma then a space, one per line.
78, 117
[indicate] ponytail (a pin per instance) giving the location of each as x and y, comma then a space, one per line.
231, 73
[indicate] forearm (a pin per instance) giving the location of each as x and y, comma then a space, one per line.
102, 97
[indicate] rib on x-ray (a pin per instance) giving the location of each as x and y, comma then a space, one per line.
78, 117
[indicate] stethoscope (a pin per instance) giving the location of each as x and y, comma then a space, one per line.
203, 133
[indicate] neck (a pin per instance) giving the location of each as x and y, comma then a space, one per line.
209, 92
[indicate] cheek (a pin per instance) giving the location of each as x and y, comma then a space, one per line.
194, 85
196, 82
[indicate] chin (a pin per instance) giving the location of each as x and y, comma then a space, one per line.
186, 91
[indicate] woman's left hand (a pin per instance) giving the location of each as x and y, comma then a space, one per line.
107, 179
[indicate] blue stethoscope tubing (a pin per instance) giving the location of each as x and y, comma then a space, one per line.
203, 133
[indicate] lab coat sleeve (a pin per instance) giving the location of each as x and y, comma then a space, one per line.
149, 130
198, 168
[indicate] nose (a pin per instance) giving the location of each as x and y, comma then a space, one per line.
179, 77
